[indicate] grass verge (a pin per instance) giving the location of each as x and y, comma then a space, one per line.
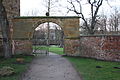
91, 69
19, 68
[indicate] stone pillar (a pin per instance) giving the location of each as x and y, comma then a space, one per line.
72, 47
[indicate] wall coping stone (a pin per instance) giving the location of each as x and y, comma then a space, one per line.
28, 17
101, 35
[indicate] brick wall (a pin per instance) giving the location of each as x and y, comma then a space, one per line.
105, 47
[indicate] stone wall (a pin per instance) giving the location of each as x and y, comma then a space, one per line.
105, 47
71, 47
23, 28
22, 47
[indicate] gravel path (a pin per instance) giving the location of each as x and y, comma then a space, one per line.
52, 67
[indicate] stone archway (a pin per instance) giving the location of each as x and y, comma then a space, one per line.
23, 30
40, 37
56, 31
50, 21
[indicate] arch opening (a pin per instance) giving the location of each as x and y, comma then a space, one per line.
46, 36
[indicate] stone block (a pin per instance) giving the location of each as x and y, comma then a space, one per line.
23, 47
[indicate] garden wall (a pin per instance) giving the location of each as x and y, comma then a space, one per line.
103, 47
22, 47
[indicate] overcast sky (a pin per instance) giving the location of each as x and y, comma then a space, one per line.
38, 8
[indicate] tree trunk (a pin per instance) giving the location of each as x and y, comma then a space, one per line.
91, 31
4, 24
62, 39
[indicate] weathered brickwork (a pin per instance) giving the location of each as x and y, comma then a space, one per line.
100, 47
72, 47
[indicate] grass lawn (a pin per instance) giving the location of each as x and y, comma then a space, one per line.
40, 48
53, 49
88, 70
56, 50
19, 68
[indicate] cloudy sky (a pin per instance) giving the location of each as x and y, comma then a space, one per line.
38, 8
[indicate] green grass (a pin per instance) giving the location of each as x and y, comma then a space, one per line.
57, 50
40, 47
19, 68
87, 67
54, 49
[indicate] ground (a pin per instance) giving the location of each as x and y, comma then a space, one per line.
52, 67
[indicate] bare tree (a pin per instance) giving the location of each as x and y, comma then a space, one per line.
4, 24
59, 36
51, 4
54, 6
114, 20
34, 12
102, 23
95, 5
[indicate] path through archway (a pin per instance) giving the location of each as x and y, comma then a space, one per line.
46, 37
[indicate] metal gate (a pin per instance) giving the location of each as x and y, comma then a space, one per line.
40, 46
